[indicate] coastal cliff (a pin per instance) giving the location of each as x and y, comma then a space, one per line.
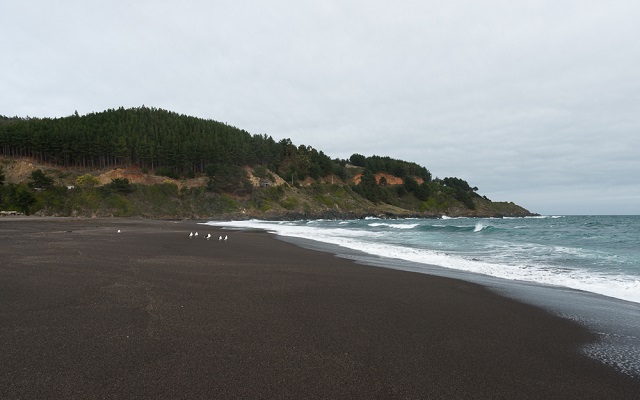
147, 162
146, 195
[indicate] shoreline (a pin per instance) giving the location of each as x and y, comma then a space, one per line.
616, 321
87, 312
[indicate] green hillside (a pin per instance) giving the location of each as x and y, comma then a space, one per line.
158, 164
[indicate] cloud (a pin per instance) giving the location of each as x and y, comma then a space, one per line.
537, 98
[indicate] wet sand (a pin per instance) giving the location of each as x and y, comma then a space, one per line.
86, 312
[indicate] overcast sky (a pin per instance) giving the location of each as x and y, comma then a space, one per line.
536, 102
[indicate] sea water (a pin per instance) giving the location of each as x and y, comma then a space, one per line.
586, 268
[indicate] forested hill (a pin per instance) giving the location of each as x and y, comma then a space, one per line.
146, 137
161, 142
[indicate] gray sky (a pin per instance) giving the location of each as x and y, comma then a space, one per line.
536, 102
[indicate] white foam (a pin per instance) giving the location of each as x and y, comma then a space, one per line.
394, 226
621, 286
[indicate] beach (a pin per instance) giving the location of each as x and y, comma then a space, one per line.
87, 312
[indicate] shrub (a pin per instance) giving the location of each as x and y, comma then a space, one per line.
261, 172
120, 185
87, 181
121, 207
40, 180
224, 178
289, 203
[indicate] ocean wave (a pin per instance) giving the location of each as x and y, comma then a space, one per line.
393, 226
478, 227
506, 259
620, 286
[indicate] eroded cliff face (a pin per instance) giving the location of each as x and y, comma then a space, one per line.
16, 171
135, 175
390, 179
19, 170
335, 200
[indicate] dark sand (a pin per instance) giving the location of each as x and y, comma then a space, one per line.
87, 313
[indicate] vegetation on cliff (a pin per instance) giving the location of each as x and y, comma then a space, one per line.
154, 163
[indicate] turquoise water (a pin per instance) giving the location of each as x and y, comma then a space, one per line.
598, 254
583, 268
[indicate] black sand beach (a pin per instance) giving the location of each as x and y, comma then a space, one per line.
86, 312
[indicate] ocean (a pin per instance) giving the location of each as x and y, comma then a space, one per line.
586, 268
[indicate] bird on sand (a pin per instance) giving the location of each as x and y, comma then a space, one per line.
225, 238
190, 235
220, 239
208, 236
118, 230
196, 235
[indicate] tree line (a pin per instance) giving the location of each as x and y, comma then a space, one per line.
392, 166
176, 144
180, 146
154, 139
